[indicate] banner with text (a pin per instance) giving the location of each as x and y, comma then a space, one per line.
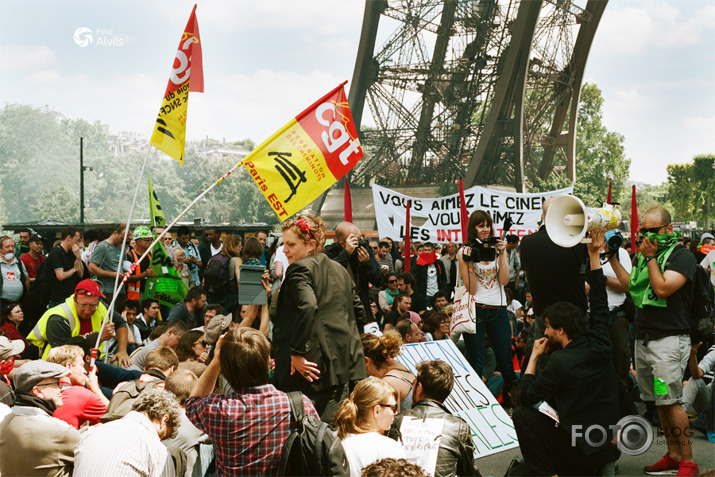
492, 429
438, 220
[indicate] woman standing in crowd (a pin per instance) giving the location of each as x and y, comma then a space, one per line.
315, 336
362, 421
193, 347
380, 354
486, 279
232, 249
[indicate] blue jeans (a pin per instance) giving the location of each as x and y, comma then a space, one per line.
496, 325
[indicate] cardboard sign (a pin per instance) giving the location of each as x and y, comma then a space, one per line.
420, 439
438, 220
492, 429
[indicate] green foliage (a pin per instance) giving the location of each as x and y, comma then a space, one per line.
691, 187
39, 152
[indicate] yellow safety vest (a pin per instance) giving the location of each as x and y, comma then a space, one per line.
67, 310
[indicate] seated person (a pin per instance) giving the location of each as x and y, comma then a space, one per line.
128, 309
578, 381
697, 395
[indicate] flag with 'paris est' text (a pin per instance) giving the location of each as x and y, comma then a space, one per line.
187, 74
307, 155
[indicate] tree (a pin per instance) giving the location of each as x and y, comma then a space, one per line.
691, 187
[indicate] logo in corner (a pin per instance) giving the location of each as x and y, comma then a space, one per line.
82, 37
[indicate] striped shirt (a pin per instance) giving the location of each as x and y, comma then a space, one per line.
129, 446
248, 428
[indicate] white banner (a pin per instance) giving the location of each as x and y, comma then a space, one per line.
438, 220
492, 429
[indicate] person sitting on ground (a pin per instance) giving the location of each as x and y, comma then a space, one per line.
10, 319
129, 310
81, 404
361, 421
32, 442
155, 416
409, 331
387, 296
190, 310
579, 382
193, 346
189, 439
434, 382
440, 301
373, 322
149, 317
436, 326
9, 351
401, 305
698, 395
170, 337
380, 354
249, 427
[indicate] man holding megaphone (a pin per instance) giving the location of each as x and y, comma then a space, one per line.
661, 285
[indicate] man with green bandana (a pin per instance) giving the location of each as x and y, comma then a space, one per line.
661, 285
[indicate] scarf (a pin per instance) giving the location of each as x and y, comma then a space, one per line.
427, 258
639, 285
390, 296
30, 400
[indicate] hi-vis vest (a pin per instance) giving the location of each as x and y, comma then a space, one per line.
67, 310
134, 289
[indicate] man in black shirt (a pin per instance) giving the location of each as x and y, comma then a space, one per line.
66, 266
402, 305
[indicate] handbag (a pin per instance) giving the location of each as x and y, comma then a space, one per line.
463, 312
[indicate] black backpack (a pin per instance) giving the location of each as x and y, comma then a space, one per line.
311, 449
216, 275
702, 311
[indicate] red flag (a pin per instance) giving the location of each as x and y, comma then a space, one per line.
463, 212
347, 202
608, 201
408, 245
634, 219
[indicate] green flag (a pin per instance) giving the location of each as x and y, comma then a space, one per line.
166, 285
157, 215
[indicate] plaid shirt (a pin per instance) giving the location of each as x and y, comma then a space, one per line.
248, 428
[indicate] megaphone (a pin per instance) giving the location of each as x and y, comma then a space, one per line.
568, 220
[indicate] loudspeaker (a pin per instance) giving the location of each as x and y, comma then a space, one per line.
568, 220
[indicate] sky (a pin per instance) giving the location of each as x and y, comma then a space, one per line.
265, 61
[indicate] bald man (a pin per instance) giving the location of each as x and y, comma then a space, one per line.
553, 273
358, 260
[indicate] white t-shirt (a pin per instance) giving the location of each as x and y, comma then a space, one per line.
709, 262
489, 290
616, 299
364, 449
281, 257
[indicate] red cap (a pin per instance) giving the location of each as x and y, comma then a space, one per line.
88, 288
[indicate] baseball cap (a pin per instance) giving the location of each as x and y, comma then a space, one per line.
10, 348
88, 288
706, 235
30, 374
142, 232
35, 238
216, 326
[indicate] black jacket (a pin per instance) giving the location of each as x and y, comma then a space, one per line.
315, 317
365, 273
579, 381
420, 274
456, 449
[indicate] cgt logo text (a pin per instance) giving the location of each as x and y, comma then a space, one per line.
84, 36
633, 435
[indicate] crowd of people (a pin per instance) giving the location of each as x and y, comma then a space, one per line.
203, 387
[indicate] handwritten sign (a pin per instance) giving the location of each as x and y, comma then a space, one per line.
438, 220
420, 439
491, 427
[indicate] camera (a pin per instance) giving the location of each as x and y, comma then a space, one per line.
614, 239
483, 250
364, 243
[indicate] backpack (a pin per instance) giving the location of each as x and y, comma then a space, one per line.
702, 313
124, 397
312, 448
216, 275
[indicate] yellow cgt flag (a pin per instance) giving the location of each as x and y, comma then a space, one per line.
187, 74
307, 155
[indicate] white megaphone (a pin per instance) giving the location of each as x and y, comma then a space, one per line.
568, 220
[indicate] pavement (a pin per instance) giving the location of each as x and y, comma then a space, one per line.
703, 453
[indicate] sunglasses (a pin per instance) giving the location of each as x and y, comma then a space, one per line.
652, 230
391, 281
203, 343
391, 406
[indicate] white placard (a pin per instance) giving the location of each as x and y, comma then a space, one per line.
438, 220
420, 439
491, 427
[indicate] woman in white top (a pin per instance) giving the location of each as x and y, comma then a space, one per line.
362, 420
486, 279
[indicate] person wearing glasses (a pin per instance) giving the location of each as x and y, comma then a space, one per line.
32, 442
362, 420
661, 285
387, 296
80, 314
193, 347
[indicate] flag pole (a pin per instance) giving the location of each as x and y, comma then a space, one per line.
148, 250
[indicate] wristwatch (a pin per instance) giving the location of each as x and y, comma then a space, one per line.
649, 258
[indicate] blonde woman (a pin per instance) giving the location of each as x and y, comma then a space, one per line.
232, 246
362, 420
380, 353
